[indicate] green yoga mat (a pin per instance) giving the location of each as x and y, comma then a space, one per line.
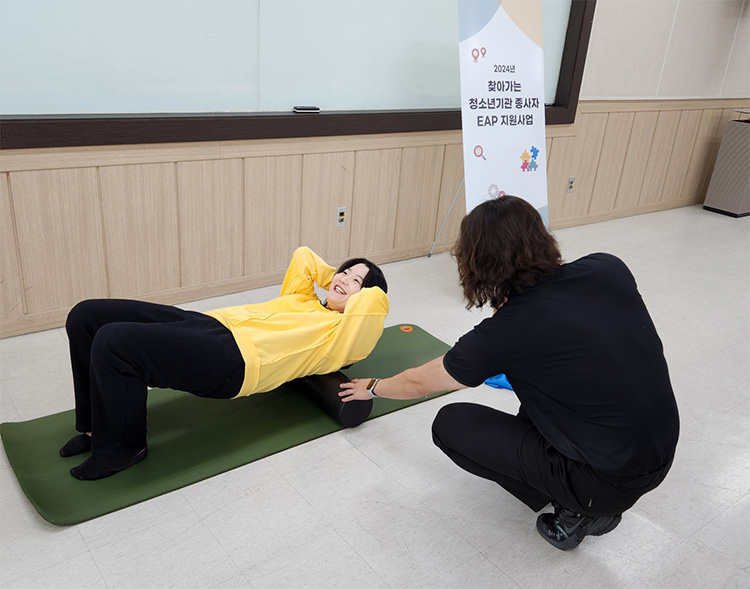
191, 439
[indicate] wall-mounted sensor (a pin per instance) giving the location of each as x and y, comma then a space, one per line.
308, 109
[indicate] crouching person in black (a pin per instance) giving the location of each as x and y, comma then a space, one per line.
598, 423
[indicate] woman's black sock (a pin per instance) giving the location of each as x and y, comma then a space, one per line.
99, 467
76, 445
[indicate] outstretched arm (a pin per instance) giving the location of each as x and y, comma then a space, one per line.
409, 384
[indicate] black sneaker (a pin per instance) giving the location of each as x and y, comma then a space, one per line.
565, 528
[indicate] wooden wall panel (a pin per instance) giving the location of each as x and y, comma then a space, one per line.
373, 214
679, 161
453, 173
700, 166
58, 220
177, 220
580, 159
273, 202
418, 196
660, 153
141, 227
611, 160
636, 159
561, 159
11, 287
588, 148
211, 211
327, 183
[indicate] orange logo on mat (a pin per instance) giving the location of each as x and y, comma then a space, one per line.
407, 328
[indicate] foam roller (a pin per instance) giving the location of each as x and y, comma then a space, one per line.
324, 389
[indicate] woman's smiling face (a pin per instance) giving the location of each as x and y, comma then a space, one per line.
345, 284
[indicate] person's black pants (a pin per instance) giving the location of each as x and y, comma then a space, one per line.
118, 348
509, 450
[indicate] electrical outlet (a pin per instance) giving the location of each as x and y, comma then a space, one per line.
340, 216
571, 182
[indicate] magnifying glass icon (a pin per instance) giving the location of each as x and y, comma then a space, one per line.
479, 152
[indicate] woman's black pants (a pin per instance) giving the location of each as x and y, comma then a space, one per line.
509, 450
119, 348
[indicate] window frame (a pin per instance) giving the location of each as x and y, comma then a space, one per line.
35, 131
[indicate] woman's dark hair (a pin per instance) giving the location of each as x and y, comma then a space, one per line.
502, 247
374, 276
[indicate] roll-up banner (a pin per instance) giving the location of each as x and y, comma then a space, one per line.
502, 100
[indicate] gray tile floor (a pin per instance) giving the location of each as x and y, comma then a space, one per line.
380, 506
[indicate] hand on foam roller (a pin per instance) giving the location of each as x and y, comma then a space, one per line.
409, 384
359, 389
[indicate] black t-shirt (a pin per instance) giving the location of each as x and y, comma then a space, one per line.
584, 359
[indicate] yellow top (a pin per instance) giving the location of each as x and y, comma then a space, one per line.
295, 335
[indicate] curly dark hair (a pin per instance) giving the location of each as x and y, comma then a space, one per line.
502, 247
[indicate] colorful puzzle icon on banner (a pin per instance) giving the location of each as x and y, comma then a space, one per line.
528, 159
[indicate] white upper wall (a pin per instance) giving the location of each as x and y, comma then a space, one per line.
643, 49
146, 56
100, 56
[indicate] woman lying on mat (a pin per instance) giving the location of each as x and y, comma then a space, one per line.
118, 348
